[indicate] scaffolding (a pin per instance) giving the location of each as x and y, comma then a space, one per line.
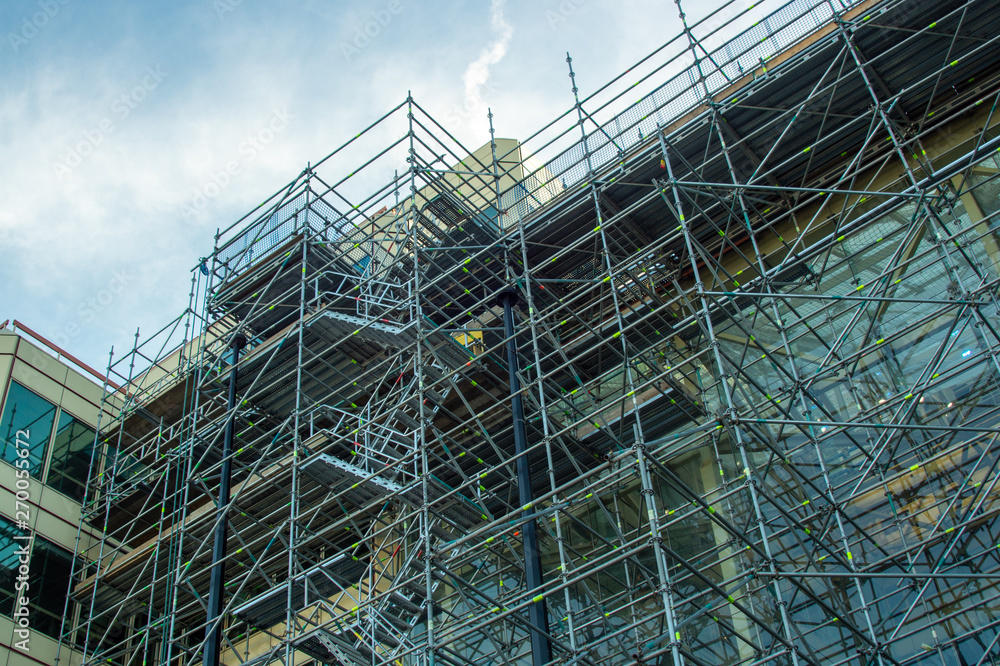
752, 389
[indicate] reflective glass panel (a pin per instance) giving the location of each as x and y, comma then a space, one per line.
71, 457
28, 413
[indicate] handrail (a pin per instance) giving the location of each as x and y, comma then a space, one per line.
60, 352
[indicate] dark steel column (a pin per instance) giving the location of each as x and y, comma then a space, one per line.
540, 650
213, 637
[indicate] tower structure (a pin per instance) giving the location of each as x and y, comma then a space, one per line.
756, 355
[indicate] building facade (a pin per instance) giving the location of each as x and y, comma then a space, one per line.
710, 377
50, 414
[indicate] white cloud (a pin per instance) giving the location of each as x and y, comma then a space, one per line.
477, 75
62, 241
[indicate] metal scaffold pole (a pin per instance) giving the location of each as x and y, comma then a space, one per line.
537, 616
216, 589
758, 422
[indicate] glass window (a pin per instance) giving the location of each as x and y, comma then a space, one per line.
48, 578
71, 457
8, 564
25, 411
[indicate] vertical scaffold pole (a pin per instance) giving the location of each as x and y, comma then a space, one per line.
213, 639
540, 650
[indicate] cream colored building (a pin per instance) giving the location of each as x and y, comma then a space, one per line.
49, 407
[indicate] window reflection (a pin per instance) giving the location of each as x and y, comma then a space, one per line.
8, 564
28, 412
71, 457
48, 578
49, 581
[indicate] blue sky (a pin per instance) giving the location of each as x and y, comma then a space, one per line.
114, 114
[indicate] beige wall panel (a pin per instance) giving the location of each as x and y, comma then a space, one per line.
42, 649
41, 384
53, 515
8, 341
5, 363
85, 388
6, 636
82, 409
39, 359
58, 519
